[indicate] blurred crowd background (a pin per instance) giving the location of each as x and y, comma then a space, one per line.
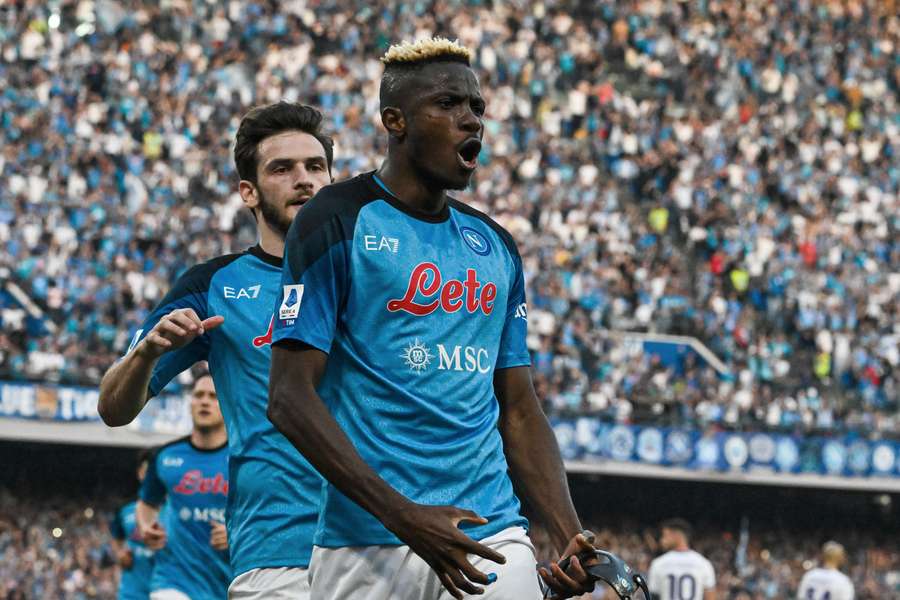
718, 169
60, 547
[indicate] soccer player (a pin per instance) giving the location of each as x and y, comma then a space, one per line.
189, 475
133, 556
680, 573
827, 582
221, 311
400, 369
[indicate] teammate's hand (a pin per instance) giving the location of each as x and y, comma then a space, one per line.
573, 581
154, 536
433, 533
125, 558
176, 329
218, 537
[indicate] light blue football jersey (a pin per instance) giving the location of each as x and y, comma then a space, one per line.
416, 313
274, 491
190, 484
134, 583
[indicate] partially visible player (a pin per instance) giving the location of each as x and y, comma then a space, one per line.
134, 557
680, 573
190, 477
221, 311
400, 369
827, 582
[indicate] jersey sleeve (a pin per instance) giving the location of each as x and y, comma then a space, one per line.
709, 576
116, 528
190, 291
153, 490
653, 579
849, 591
513, 348
802, 588
315, 275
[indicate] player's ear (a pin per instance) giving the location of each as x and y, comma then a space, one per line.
249, 194
393, 120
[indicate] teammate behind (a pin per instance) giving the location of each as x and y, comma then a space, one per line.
134, 557
190, 476
400, 368
221, 311
827, 582
680, 573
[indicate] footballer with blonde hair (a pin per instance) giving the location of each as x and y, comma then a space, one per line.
827, 582
400, 368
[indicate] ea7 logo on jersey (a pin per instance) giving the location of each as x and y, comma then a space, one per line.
290, 302
374, 243
172, 461
232, 293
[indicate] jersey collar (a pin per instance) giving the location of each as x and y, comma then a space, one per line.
381, 190
262, 255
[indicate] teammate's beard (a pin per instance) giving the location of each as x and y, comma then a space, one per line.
275, 218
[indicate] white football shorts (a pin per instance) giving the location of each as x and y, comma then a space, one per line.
397, 573
168, 594
280, 583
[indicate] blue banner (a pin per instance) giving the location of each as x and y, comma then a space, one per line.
589, 439
48, 402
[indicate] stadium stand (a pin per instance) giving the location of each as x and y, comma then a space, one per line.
721, 170
77, 489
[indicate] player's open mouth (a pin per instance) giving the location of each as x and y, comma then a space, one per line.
467, 153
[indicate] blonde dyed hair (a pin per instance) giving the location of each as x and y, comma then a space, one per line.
407, 53
834, 553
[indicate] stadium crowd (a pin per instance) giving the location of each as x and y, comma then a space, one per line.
769, 565
53, 549
60, 548
716, 169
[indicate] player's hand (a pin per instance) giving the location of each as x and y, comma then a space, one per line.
176, 329
433, 533
574, 581
125, 558
218, 537
154, 536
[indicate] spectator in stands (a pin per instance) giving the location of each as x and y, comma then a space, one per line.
721, 170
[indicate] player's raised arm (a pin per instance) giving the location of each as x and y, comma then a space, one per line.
174, 336
125, 387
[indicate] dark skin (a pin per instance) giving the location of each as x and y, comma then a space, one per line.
440, 111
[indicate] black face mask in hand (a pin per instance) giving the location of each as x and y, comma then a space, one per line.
609, 568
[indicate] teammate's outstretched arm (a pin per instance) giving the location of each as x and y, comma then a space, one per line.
124, 388
536, 469
432, 532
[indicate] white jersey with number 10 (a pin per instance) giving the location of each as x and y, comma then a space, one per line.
681, 576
